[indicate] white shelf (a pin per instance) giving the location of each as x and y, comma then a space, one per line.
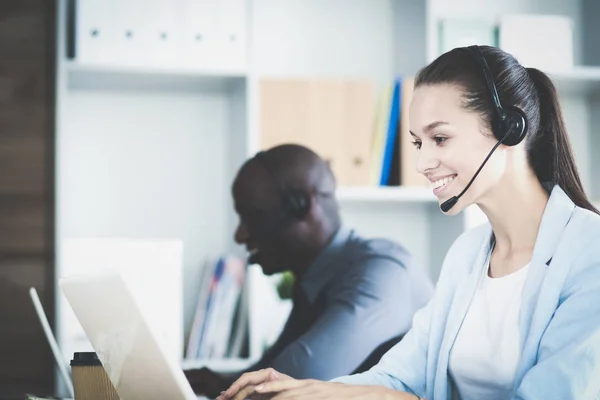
386, 194
577, 81
83, 76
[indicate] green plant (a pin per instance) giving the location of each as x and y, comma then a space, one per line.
286, 285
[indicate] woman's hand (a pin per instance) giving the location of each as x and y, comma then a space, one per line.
313, 389
244, 387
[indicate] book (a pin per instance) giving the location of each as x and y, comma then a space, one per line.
391, 131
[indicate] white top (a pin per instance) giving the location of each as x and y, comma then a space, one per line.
486, 352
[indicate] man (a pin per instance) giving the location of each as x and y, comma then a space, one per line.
351, 294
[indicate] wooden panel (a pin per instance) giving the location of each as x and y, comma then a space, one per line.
332, 117
23, 225
27, 92
20, 325
22, 162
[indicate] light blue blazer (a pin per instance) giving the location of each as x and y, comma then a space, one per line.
559, 323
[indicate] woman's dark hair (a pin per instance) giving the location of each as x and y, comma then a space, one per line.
547, 143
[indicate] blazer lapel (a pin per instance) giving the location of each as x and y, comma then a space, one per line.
556, 216
554, 220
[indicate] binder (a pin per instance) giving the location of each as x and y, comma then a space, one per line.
206, 279
95, 33
332, 117
163, 30
379, 136
204, 346
284, 111
231, 34
541, 41
130, 36
214, 34
465, 32
390, 138
358, 120
324, 134
199, 38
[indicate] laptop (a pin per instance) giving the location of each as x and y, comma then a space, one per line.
62, 367
130, 352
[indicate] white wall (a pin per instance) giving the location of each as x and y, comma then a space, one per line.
147, 164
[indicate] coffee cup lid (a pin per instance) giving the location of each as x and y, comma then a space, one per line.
85, 359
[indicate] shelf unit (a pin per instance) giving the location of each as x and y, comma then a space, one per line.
151, 151
578, 81
397, 194
109, 77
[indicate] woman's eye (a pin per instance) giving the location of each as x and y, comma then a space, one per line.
439, 139
417, 144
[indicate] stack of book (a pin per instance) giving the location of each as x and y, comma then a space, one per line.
220, 326
364, 136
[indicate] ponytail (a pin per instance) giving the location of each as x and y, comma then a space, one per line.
550, 152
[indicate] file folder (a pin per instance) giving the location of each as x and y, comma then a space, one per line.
199, 43
162, 26
95, 33
231, 33
131, 39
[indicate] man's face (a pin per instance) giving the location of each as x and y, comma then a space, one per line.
263, 228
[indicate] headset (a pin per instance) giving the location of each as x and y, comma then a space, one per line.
295, 202
509, 124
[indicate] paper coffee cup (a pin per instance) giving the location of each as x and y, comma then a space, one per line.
90, 381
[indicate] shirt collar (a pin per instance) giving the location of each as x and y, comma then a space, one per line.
556, 216
325, 266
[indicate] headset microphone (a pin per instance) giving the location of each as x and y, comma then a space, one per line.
448, 204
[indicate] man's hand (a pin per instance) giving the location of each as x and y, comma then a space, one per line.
244, 386
205, 382
313, 389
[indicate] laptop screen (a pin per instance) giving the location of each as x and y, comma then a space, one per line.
51, 339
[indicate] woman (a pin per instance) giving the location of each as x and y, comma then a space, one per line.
516, 314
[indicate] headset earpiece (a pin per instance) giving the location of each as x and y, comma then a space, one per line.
510, 123
297, 203
511, 130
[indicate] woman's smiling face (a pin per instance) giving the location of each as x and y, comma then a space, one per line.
452, 143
